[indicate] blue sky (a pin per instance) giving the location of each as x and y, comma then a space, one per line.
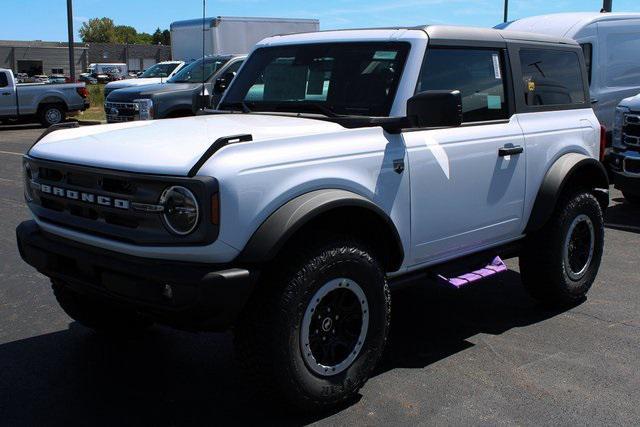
46, 19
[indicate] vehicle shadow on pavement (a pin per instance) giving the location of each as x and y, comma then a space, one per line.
623, 216
20, 127
431, 323
173, 378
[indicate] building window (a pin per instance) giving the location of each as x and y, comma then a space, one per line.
57, 71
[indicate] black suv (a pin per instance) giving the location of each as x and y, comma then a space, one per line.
180, 96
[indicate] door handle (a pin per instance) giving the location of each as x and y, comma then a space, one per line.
6, 93
510, 151
594, 100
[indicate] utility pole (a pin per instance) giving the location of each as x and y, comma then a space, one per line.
72, 61
607, 6
506, 10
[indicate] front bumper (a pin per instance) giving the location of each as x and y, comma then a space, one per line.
201, 297
626, 171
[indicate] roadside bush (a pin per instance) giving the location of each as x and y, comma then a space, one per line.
96, 95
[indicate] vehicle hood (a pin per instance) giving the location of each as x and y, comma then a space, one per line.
130, 93
167, 147
632, 103
134, 82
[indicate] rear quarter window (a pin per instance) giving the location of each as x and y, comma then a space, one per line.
3, 80
551, 77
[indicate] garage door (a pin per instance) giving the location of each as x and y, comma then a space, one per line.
134, 64
148, 62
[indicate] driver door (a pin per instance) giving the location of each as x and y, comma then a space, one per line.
468, 182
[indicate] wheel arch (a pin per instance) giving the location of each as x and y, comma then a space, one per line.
48, 100
330, 209
568, 171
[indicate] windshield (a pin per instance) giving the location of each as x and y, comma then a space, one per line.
159, 70
331, 78
192, 73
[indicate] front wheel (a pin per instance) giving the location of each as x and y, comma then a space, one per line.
51, 115
560, 262
313, 336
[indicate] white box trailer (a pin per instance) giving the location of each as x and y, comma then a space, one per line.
226, 35
611, 43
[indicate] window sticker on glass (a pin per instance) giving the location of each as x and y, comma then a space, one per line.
385, 55
494, 102
496, 66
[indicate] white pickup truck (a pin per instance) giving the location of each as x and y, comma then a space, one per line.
48, 103
157, 73
339, 165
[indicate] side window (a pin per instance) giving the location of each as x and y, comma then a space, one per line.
587, 49
551, 77
476, 73
233, 68
4, 82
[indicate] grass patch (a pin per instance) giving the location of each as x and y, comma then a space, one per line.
96, 109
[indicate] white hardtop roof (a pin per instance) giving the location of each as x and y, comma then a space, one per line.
564, 24
435, 33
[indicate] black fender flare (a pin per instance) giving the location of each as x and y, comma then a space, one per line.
569, 168
279, 227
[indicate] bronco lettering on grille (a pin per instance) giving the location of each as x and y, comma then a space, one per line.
81, 196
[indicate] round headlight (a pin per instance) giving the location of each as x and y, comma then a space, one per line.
180, 210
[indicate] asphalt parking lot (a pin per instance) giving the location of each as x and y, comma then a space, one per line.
484, 355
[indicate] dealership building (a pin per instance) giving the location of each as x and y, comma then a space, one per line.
38, 57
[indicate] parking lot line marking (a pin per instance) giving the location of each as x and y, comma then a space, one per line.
11, 152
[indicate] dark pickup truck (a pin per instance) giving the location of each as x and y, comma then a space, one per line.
180, 96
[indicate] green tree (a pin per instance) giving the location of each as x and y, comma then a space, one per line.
126, 34
98, 30
157, 36
166, 38
144, 38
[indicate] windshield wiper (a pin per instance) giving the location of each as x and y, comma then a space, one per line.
290, 107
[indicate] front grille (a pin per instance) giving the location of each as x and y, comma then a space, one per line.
631, 130
632, 165
104, 202
121, 111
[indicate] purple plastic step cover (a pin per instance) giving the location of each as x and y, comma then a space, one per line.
496, 266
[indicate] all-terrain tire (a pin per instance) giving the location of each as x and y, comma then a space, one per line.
51, 114
269, 341
98, 315
633, 199
558, 269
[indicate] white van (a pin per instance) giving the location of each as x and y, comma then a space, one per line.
105, 68
611, 44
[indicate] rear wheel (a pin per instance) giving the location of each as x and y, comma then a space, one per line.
560, 262
99, 315
312, 336
51, 114
634, 199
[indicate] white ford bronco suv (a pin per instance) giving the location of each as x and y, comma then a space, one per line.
338, 165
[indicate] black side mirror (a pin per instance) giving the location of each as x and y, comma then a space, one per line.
435, 108
222, 83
